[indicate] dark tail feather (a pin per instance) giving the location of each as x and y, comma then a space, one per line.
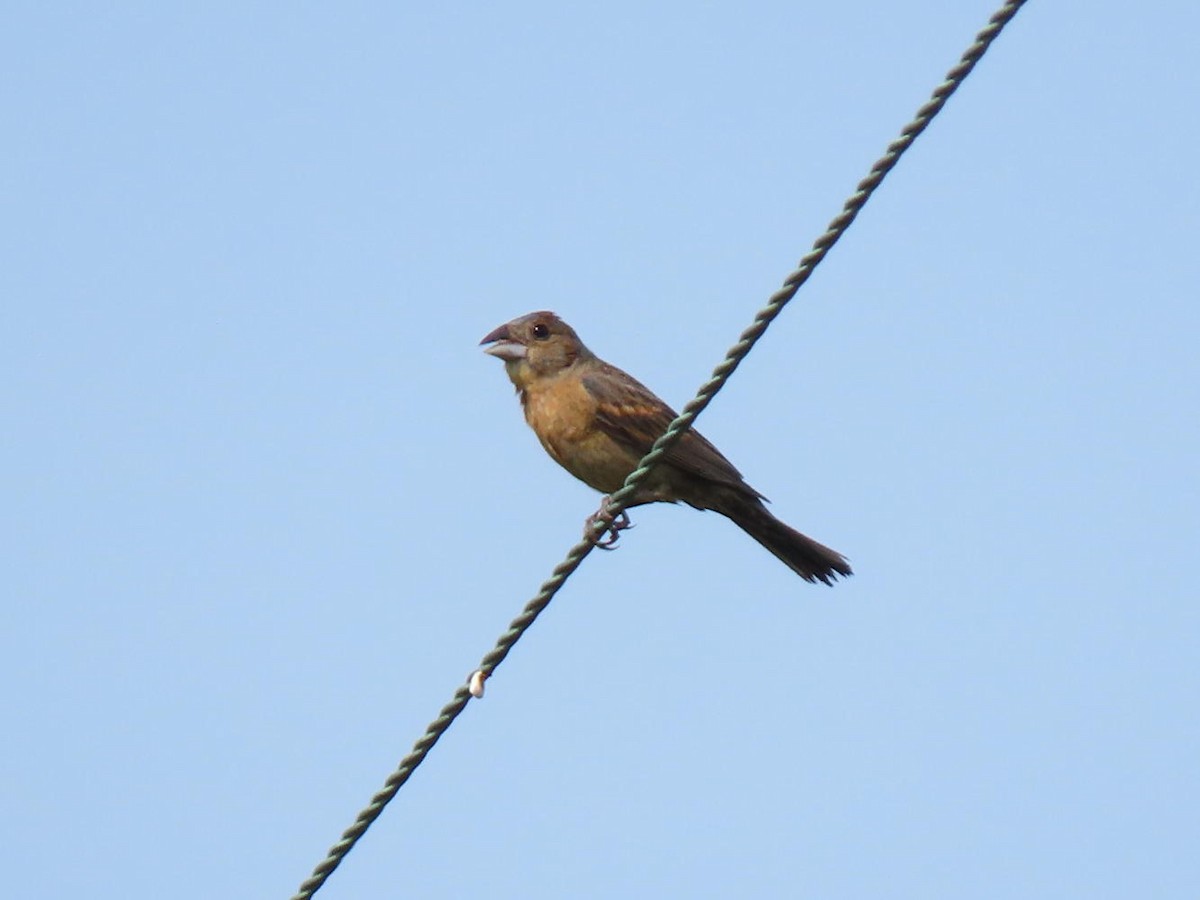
800, 553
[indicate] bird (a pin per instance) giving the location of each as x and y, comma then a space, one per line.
597, 422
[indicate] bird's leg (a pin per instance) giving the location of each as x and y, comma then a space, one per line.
614, 525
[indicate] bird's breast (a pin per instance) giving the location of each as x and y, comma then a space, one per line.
562, 414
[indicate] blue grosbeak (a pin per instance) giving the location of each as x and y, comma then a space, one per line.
597, 422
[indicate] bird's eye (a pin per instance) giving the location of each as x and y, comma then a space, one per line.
541, 331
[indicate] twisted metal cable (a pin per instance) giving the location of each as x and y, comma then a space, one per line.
822, 245
618, 501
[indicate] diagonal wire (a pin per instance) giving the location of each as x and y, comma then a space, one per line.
618, 501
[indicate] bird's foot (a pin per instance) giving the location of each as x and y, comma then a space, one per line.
614, 525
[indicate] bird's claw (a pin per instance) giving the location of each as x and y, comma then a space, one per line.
606, 539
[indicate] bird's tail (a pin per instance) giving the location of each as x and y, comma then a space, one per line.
800, 553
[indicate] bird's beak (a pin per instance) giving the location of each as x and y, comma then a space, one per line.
503, 346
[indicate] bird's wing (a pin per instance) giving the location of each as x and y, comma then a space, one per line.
631, 414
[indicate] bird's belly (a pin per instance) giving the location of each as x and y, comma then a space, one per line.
595, 459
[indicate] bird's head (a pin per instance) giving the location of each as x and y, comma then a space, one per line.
534, 346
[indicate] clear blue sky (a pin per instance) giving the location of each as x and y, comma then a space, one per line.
266, 504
